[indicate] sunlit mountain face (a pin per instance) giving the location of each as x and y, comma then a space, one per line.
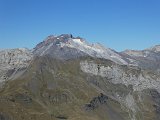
66, 78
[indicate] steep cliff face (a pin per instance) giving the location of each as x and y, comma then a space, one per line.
66, 78
139, 79
138, 86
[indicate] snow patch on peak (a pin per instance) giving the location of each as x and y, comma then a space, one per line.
95, 50
79, 41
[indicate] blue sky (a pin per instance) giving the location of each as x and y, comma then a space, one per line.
118, 24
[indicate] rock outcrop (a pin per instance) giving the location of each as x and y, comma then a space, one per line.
13, 61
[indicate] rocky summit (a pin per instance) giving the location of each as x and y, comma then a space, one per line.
66, 78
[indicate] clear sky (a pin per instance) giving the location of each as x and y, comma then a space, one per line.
118, 24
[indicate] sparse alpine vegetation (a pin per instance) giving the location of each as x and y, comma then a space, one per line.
66, 78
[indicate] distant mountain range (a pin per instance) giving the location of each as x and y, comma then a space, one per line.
65, 77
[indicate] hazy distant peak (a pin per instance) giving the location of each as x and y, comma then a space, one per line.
143, 53
155, 48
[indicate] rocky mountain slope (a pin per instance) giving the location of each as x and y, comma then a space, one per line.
12, 62
66, 46
147, 59
66, 78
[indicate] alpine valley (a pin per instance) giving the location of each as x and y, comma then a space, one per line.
66, 78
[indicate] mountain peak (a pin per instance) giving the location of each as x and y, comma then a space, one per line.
53, 39
62, 38
66, 46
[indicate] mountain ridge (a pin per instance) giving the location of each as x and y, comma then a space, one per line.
66, 78
66, 46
